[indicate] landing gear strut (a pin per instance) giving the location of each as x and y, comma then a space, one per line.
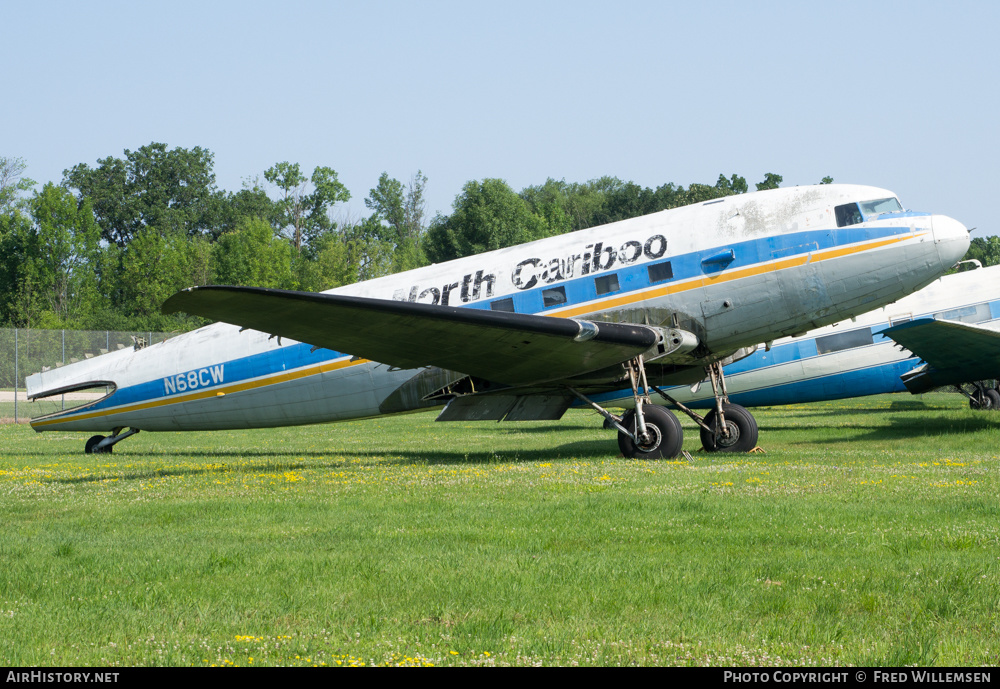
727, 428
648, 431
100, 444
652, 432
735, 430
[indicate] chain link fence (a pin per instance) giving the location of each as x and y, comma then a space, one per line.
25, 352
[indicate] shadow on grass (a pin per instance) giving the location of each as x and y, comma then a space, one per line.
835, 412
193, 471
903, 427
585, 450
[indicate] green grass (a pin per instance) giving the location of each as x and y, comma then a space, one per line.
867, 535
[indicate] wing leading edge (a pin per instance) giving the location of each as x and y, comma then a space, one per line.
510, 348
954, 352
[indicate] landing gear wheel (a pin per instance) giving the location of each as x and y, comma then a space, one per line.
742, 430
665, 434
981, 398
91, 447
994, 399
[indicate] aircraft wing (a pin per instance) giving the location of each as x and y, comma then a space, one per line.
511, 348
955, 352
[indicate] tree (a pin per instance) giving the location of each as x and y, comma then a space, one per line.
252, 256
66, 236
986, 250
699, 193
399, 207
170, 190
329, 266
549, 201
46, 259
227, 209
12, 183
733, 185
487, 215
368, 255
583, 202
413, 207
568, 207
771, 181
626, 200
306, 213
18, 283
386, 201
397, 219
153, 267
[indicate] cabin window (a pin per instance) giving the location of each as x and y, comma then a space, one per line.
965, 314
554, 296
503, 305
840, 341
658, 272
606, 284
848, 214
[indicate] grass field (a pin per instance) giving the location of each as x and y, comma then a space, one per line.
868, 534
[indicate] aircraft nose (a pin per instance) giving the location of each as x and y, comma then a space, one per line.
951, 237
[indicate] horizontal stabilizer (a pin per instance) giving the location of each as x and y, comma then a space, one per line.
511, 348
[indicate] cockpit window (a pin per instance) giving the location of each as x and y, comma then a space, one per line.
848, 214
854, 213
889, 205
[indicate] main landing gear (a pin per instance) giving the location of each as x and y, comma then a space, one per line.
982, 396
651, 432
100, 444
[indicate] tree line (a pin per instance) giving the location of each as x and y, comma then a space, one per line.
104, 247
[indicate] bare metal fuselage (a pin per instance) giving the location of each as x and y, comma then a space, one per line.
735, 272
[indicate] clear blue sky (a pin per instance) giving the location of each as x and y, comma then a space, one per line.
902, 95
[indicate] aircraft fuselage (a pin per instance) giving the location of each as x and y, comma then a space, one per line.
735, 272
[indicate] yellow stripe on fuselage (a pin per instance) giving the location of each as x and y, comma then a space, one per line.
566, 312
722, 276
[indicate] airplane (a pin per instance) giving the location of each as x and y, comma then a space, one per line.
523, 332
952, 325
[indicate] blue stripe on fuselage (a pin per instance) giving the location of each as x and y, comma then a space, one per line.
857, 383
246, 368
583, 289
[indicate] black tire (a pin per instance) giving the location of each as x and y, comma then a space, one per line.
91, 447
981, 399
742, 430
994, 397
666, 434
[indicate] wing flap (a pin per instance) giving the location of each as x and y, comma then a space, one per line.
516, 349
506, 408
